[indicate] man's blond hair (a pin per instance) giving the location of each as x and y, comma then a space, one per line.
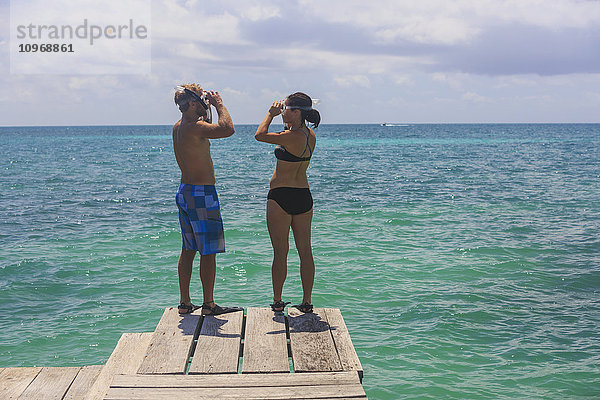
182, 99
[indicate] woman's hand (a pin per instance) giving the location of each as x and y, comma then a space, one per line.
276, 108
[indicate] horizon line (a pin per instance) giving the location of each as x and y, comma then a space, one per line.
332, 123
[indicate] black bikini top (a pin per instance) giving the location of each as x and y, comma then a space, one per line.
282, 154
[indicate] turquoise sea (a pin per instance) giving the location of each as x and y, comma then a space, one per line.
465, 258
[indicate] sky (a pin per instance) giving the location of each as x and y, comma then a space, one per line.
431, 61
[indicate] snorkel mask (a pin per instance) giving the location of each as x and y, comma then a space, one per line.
200, 99
305, 108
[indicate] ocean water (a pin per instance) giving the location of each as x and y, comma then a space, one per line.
465, 258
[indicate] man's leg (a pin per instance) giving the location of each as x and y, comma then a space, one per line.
184, 268
208, 270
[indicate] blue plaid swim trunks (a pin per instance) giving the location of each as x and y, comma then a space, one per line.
200, 218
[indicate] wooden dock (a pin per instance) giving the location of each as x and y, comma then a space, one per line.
259, 355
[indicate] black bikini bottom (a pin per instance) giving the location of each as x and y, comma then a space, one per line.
293, 200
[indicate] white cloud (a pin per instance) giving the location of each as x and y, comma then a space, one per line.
235, 92
69, 12
592, 97
515, 81
475, 98
342, 63
260, 12
272, 95
403, 80
454, 80
188, 23
377, 37
451, 22
98, 86
193, 51
554, 14
352, 81
17, 91
567, 80
438, 30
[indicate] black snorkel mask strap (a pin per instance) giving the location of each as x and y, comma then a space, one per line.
196, 97
202, 100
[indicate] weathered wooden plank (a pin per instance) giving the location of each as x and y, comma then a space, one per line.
251, 393
237, 380
311, 342
125, 359
14, 381
83, 382
50, 384
265, 342
171, 344
343, 343
344, 398
218, 347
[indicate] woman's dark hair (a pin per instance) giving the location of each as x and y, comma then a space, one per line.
302, 100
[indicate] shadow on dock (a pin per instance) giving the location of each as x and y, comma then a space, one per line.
260, 355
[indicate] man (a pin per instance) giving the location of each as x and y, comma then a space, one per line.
199, 212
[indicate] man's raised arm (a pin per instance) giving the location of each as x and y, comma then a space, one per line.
223, 128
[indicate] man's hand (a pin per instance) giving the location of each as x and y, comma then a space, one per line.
224, 127
214, 98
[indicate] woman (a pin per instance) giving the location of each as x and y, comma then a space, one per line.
289, 202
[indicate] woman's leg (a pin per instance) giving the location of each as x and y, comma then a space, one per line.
301, 225
278, 223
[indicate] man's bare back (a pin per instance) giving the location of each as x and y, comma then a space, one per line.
191, 141
193, 156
